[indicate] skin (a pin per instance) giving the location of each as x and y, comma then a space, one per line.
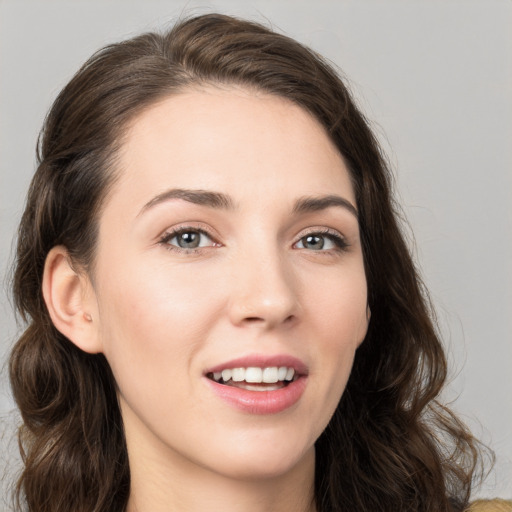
162, 315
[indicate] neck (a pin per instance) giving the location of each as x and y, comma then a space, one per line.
165, 486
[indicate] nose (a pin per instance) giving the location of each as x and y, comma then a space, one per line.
264, 292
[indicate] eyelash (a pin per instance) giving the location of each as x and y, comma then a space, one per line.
339, 241
169, 235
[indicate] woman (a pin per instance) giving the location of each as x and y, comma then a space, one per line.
222, 311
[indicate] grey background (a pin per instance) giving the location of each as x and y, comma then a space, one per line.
434, 77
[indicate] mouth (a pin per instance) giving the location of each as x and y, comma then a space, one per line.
259, 383
253, 378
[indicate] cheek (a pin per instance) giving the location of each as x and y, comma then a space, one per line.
152, 329
341, 310
153, 318
341, 322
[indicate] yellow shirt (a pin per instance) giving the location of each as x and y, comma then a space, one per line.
491, 506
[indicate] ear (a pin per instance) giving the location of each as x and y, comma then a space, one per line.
71, 301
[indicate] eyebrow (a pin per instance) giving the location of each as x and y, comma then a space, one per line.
219, 200
313, 204
201, 197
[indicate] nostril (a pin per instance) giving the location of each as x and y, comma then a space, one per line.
258, 319
259, 310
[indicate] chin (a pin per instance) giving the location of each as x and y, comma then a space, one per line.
266, 463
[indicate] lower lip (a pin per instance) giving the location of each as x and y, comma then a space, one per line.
260, 402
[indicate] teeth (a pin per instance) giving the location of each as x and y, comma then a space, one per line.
238, 374
270, 375
256, 375
253, 374
226, 375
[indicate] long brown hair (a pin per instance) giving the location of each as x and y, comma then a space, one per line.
389, 446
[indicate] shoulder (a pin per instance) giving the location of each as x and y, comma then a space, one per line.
490, 506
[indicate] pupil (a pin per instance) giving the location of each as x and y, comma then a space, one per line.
313, 242
189, 240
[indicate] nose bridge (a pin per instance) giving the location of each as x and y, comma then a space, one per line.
264, 289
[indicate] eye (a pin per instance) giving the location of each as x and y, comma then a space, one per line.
187, 238
324, 241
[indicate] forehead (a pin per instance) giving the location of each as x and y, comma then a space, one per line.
240, 142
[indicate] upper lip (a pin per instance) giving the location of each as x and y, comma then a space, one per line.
262, 361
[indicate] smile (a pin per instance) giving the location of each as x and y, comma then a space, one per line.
254, 378
259, 384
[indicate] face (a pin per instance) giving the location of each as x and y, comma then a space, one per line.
228, 255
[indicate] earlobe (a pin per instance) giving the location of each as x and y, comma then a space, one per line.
70, 300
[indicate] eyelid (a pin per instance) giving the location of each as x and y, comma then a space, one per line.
170, 233
338, 238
